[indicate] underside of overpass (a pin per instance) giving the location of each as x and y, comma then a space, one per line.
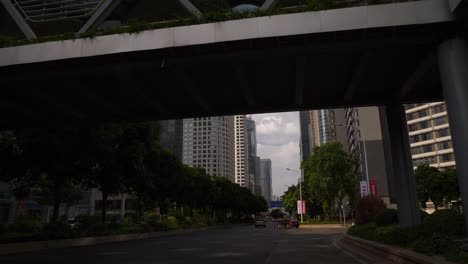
310, 71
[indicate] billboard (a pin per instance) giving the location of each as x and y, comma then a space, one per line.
363, 189
373, 188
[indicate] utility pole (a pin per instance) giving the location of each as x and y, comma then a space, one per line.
300, 190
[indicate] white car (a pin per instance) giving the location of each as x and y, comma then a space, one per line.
260, 223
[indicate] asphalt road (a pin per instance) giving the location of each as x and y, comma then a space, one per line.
234, 244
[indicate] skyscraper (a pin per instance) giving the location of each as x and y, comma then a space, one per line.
429, 134
258, 183
208, 142
306, 134
365, 141
317, 128
171, 136
265, 179
241, 163
251, 149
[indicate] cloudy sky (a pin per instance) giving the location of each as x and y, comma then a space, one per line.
278, 139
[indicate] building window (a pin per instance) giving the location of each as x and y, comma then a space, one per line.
422, 161
446, 157
418, 114
445, 145
422, 149
443, 132
418, 126
440, 121
421, 137
438, 109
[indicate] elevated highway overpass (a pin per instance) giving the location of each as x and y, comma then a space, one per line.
381, 55
365, 55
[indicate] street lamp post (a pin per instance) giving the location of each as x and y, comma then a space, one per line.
300, 191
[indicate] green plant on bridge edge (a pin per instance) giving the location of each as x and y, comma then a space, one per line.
209, 17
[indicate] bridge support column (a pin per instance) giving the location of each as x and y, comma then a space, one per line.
403, 175
453, 68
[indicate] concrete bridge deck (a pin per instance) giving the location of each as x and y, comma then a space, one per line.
365, 55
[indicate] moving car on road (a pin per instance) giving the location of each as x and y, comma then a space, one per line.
288, 223
294, 223
260, 223
284, 223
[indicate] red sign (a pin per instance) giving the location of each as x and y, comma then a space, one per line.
303, 207
373, 188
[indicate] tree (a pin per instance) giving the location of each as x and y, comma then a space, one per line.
104, 166
276, 213
70, 192
55, 152
13, 166
331, 174
438, 186
451, 188
290, 198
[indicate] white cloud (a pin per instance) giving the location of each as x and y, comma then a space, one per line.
278, 140
277, 128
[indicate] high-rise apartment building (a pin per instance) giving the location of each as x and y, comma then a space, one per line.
251, 150
208, 142
265, 179
429, 135
171, 136
318, 127
241, 163
365, 140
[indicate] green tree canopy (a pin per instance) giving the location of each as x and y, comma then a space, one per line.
331, 174
438, 186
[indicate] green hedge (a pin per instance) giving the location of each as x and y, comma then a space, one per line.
386, 217
57, 230
367, 208
26, 224
446, 222
319, 222
439, 234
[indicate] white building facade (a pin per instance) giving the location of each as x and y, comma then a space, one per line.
429, 134
241, 162
208, 143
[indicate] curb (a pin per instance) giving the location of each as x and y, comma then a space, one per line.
13, 248
396, 254
324, 226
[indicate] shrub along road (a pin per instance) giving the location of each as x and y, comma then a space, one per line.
234, 244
